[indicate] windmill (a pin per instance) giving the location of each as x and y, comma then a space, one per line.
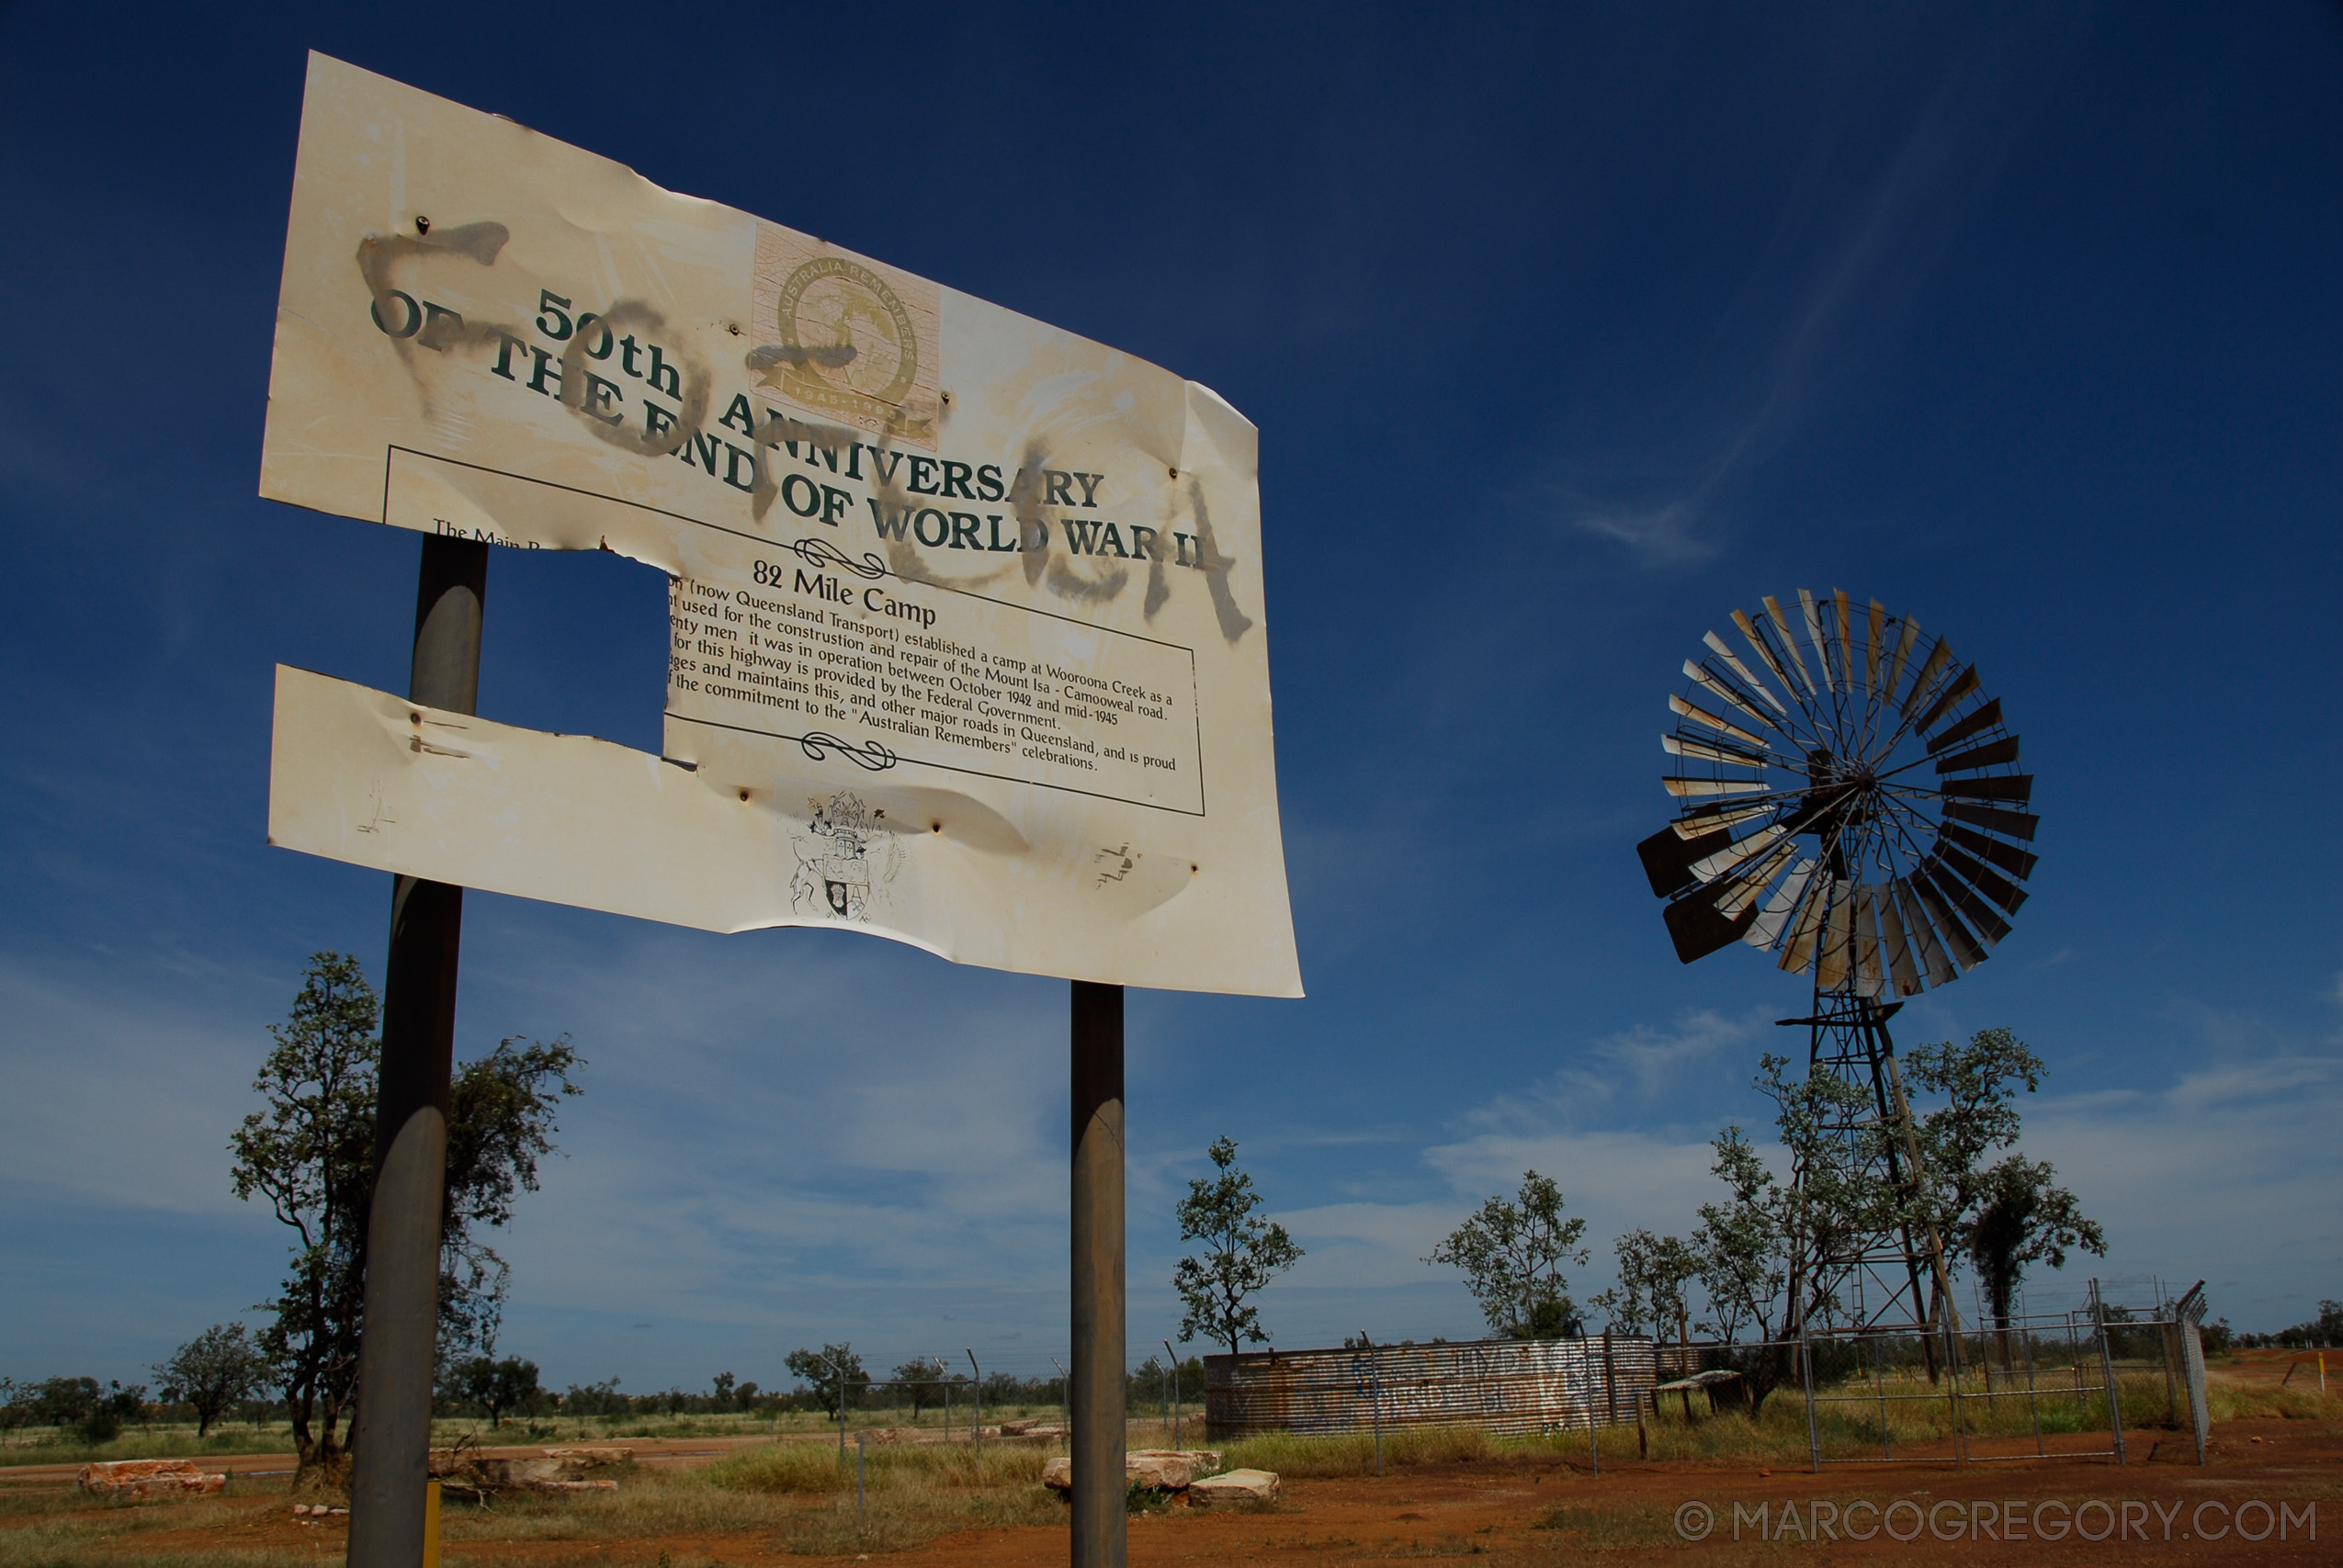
1849, 801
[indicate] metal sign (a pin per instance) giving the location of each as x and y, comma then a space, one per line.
967, 645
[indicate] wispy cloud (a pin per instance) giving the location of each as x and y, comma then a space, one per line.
1657, 535
1636, 1066
1836, 278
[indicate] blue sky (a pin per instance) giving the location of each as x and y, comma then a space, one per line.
1567, 330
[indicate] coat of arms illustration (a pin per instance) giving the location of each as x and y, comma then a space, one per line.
846, 856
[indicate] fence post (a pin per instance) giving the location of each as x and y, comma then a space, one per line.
2107, 1373
1610, 1383
1594, 1444
976, 1429
1814, 1433
1065, 1414
860, 1450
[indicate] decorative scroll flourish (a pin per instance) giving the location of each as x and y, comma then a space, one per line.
872, 755
821, 553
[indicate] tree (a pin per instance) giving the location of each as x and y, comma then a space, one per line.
918, 1378
500, 1124
311, 1154
65, 1402
1513, 1252
495, 1386
2326, 1328
1653, 1273
823, 1372
1744, 1241
212, 1372
308, 1151
1242, 1254
2024, 1218
2004, 1215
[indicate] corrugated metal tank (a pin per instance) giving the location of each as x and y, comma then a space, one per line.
1511, 1387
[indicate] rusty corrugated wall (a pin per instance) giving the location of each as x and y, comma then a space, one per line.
1509, 1386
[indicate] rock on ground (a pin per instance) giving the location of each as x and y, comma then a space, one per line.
148, 1478
1237, 1485
1158, 1469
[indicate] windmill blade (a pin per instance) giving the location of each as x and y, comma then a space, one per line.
1992, 883
1765, 655
1697, 929
2013, 824
1957, 939
2009, 857
1992, 755
2018, 787
1831, 965
1790, 644
1683, 709
1845, 643
1682, 788
1725, 857
1709, 751
1870, 978
1733, 663
1872, 648
1898, 945
1980, 917
1706, 680
1814, 630
1939, 968
1963, 684
1667, 858
1931, 668
1780, 905
1983, 719
1806, 926
1903, 652
1751, 883
1702, 819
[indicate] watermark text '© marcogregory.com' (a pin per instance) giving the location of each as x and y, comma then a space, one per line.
2055, 1519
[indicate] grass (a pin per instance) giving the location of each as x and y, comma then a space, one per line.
67, 1445
810, 1469
63, 1529
797, 1496
1353, 1453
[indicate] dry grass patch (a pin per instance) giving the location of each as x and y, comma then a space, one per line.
64, 1529
794, 1497
1353, 1453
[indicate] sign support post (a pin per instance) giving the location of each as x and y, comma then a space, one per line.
1096, 1391
391, 1433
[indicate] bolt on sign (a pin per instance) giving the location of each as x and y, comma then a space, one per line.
967, 645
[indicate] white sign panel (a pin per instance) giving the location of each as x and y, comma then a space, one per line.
967, 645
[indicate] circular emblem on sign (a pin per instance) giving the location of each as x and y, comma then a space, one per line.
832, 303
